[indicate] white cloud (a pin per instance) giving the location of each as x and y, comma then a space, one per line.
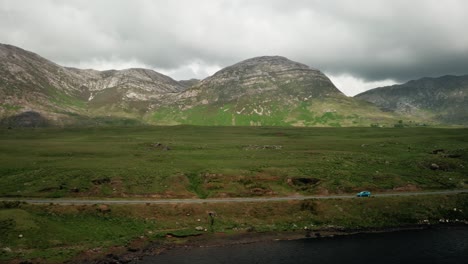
351, 85
105, 64
197, 70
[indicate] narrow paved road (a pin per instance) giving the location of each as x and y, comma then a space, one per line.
216, 200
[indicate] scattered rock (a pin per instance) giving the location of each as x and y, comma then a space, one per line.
434, 166
20, 236
199, 228
6, 249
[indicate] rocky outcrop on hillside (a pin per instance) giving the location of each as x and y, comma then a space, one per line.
267, 74
444, 99
19, 68
140, 84
29, 82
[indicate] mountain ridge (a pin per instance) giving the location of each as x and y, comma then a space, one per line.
264, 90
444, 98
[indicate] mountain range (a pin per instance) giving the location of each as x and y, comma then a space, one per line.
261, 91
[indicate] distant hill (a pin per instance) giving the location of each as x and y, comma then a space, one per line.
441, 100
189, 83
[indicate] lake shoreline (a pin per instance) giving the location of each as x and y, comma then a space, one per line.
140, 248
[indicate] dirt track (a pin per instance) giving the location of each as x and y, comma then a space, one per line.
217, 200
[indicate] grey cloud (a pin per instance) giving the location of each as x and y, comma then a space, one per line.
372, 39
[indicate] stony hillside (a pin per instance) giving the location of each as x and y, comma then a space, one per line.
442, 100
61, 95
125, 92
29, 82
268, 90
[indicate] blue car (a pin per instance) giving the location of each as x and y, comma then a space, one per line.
363, 194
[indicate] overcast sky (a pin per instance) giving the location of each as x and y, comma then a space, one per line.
358, 44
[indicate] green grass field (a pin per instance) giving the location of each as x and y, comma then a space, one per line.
192, 161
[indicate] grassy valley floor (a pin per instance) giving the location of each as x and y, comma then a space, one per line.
207, 162
218, 162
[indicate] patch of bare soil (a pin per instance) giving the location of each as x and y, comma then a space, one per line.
407, 188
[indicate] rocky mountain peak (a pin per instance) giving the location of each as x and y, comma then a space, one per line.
261, 66
275, 75
269, 63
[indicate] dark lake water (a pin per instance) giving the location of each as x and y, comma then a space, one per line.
445, 245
